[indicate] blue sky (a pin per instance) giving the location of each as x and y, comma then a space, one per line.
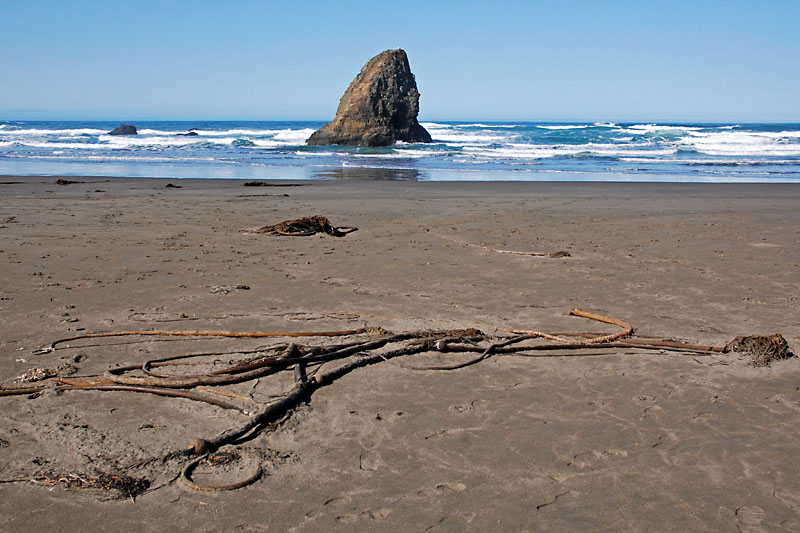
729, 61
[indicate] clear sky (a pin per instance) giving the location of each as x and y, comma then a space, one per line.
728, 61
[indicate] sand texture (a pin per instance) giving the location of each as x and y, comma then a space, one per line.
617, 440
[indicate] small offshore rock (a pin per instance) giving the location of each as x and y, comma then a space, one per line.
124, 129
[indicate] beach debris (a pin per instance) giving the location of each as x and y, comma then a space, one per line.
379, 108
201, 377
284, 195
125, 486
554, 255
124, 129
10, 220
305, 227
764, 349
36, 374
227, 289
265, 184
62, 181
173, 186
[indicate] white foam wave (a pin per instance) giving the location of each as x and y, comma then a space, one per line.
209, 133
564, 127
281, 134
294, 136
451, 134
541, 151
134, 158
479, 125
115, 141
657, 128
148, 131
455, 133
434, 125
264, 143
405, 154
743, 143
285, 136
57, 145
40, 132
721, 162
778, 135
305, 153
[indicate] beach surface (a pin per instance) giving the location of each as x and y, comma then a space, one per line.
619, 439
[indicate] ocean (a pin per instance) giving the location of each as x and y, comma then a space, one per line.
461, 151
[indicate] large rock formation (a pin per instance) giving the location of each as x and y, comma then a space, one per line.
123, 129
379, 108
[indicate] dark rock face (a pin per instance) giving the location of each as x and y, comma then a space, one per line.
123, 129
379, 107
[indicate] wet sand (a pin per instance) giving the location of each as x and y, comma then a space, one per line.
623, 440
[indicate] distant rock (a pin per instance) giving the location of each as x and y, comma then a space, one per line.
379, 108
190, 133
123, 129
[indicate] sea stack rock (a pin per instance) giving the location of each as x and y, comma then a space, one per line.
123, 129
379, 107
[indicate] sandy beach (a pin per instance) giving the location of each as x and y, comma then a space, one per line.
619, 439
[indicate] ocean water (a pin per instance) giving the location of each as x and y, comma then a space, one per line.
461, 151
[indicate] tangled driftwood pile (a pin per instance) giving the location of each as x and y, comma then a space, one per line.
763, 348
305, 227
361, 347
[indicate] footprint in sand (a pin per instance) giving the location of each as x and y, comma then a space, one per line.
333, 502
590, 458
368, 460
788, 498
349, 518
749, 519
442, 488
777, 403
